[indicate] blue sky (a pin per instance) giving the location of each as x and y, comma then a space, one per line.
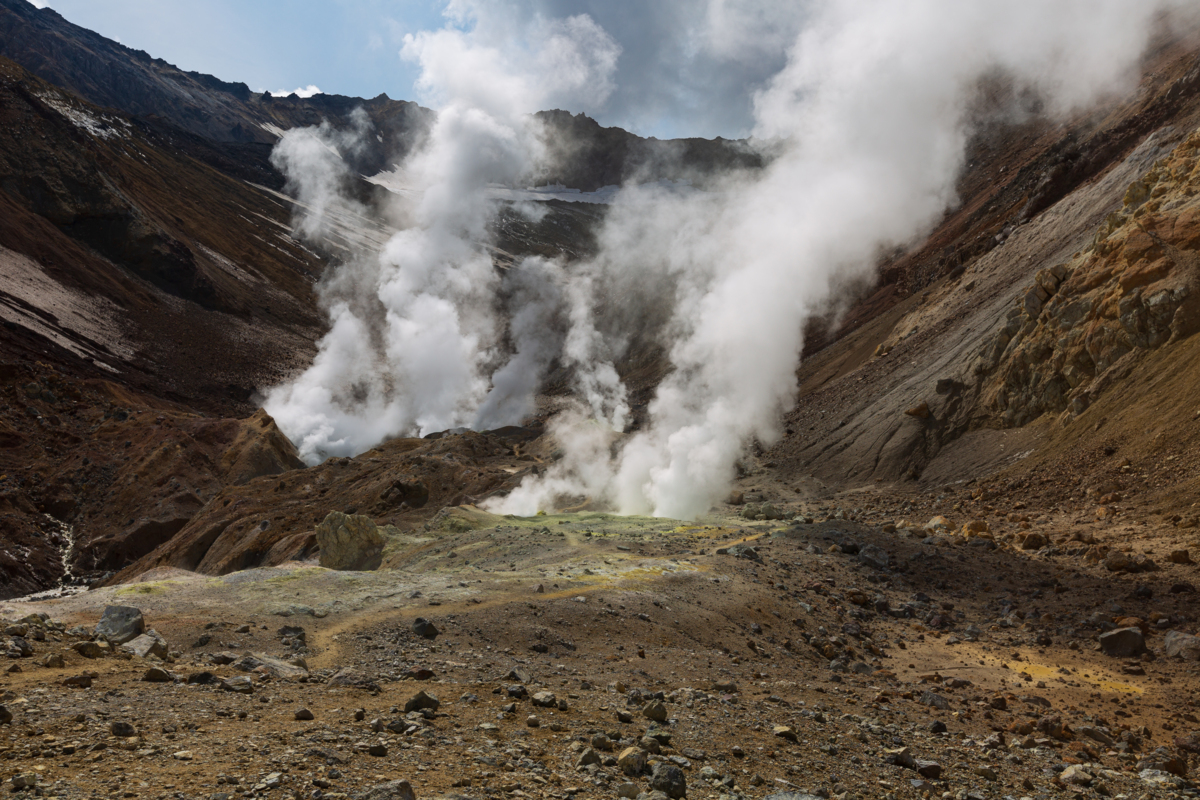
343, 46
671, 79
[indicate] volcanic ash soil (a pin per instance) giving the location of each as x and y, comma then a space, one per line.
847, 652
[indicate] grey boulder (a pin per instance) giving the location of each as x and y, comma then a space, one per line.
120, 624
150, 643
1182, 645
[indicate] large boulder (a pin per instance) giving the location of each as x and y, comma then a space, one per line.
120, 624
350, 542
1182, 645
1123, 642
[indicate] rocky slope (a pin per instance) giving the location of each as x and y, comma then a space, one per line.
943, 378
196, 295
1085, 322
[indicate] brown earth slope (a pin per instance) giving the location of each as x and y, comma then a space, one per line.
962, 353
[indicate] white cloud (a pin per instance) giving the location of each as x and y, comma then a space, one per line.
307, 91
38, 3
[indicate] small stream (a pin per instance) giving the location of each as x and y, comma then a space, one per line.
68, 584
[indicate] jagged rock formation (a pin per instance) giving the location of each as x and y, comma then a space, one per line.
1083, 324
403, 482
990, 341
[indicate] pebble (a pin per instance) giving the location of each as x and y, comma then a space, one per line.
82, 680
392, 790
1123, 642
157, 675
1076, 775
668, 779
239, 685
984, 772
88, 649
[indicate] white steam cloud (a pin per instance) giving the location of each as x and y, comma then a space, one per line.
414, 326
868, 121
317, 175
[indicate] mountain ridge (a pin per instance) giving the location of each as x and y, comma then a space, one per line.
241, 125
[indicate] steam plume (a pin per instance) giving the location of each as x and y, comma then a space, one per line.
414, 326
868, 122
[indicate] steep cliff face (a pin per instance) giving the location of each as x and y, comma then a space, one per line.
105, 220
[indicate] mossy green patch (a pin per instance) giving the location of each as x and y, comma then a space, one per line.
149, 587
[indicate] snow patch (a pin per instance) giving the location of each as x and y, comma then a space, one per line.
102, 127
